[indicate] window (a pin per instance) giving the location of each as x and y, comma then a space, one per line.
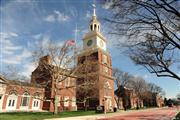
105, 69
25, 99
66, 101
73, 101
60, 78
67, 82
73, 82
94, 26
104, 59
13, 102
35, 104
9, 103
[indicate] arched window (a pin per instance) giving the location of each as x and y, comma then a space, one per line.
91, 27
12, 100
25, 99
94, 26
13, 92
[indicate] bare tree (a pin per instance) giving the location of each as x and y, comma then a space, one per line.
152, 92
13, 73
152, 29
178, 96
153, 88
87, 82
58, 70
121, 80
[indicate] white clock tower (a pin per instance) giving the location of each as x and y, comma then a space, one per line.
97, 68
94, 39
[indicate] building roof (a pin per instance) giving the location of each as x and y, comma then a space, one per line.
17, 82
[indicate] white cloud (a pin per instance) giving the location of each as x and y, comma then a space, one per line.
107, 5
145, 76
17, 58
37, 36
61, 17
28, 68
13, 34
8, 35
88, 15
12, 53
7, 46
50, 18
57, 16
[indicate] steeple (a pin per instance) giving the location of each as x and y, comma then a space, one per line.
94, 10
94, 23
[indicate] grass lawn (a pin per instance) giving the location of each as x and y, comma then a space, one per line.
41, 115
177, 116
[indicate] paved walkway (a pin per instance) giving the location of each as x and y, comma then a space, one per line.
158, 114
146, 114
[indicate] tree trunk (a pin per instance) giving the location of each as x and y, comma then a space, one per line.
55, 105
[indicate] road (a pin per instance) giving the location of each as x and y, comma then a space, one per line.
151, 114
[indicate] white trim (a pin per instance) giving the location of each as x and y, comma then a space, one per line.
66, 101
11, 102
36, 104
73, 103
109, 97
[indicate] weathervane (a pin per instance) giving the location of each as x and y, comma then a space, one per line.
94, 9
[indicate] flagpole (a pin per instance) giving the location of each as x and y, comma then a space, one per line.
75, 39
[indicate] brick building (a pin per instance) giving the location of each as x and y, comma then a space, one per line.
20, 96
66, 91
153, 99
98, 68
127, 98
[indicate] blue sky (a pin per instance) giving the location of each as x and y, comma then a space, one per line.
25, 23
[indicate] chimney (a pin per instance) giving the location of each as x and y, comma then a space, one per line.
45, 60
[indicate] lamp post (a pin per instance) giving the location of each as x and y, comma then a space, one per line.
105, 105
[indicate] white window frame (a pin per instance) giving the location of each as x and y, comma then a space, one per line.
36, 103
66, 101
73, 103
104, 59
26, 96
11, 101
105, 69
67, 82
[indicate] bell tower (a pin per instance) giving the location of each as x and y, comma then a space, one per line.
99, 66
94, 38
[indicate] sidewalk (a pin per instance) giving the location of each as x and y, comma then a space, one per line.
100, 116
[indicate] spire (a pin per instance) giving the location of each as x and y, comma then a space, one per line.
94, 9
94, 23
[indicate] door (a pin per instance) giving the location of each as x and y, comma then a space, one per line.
109, 104
35, 104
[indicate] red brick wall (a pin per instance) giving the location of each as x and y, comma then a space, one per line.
20, 91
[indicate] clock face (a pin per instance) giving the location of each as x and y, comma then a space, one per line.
89, 42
